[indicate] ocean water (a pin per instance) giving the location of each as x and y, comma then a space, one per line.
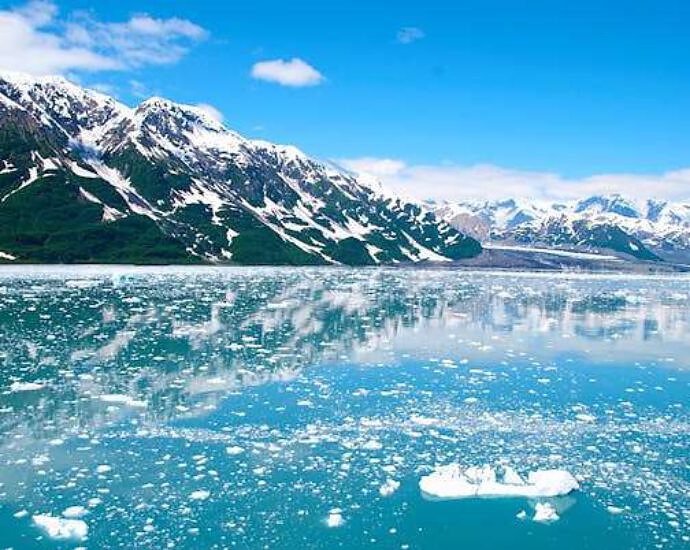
299, 408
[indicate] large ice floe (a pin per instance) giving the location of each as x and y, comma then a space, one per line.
61, 528
452, 481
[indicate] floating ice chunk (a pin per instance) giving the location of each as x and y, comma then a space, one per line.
587, 418
103, 469
26, 386
60, 528
545, 512
451, 481
372, 445
74, 512
615, 510
447, 482
234, 450
423, 420
335, 518
389, 487
121, 399
200, 495
521, 515
552, 483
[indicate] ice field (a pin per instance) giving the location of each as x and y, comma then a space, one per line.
342, 408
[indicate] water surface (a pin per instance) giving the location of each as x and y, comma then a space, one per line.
243, 408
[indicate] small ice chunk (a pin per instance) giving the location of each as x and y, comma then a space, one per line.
60, 528
389, 487
615, 510
74, 512
372, 445
521, 515
335, 518
545, 512
234, 450
103, 469
423, 420
26, 386
200, 495
121, 399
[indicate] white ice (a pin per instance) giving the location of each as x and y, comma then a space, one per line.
451, 481
25, 386
335, 518
60, 528
74, 512
389, 487
545, 512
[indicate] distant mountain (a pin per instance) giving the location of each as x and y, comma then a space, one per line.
643, 230
84, 178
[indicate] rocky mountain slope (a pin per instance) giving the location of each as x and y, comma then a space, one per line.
84, 178
643, 230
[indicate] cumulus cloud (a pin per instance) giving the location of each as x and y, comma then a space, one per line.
407, 35
295, 72
211, 111
377, 167
488, 182
34, 39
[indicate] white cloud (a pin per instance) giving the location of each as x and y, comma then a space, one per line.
377, 167
33, 39
211, 111
295, 73
407, 35
487, 182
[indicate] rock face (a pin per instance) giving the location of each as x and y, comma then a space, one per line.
84, 178
644, 230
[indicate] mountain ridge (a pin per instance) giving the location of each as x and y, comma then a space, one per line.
166, 183
642, 229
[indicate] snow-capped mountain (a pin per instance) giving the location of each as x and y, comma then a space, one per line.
84, 178
641, 229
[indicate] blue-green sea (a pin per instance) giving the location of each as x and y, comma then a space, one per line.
298, 408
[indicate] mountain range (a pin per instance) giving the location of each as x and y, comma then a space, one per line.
647, 230
84, 178
87, 179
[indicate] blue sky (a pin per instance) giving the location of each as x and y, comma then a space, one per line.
541, 89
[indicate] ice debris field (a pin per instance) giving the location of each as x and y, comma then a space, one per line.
342, 408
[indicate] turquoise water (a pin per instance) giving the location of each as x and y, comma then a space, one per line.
238, 408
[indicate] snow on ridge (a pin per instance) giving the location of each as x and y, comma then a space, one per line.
202, 148
652, 222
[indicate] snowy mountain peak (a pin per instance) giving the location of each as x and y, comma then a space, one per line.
170, 172
645, 229
614, 204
